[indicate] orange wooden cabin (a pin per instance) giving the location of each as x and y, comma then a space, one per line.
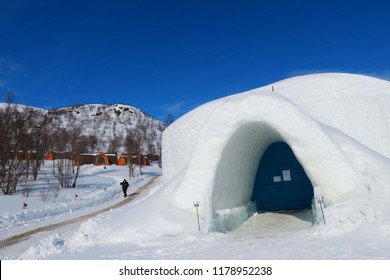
100, 159
49, 156
122, 160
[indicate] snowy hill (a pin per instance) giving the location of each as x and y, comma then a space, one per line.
102, 120
106, 121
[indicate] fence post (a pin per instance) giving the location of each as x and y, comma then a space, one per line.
196, 205
320, 200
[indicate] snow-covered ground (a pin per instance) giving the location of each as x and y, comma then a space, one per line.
97, 188
290, 235
157, 227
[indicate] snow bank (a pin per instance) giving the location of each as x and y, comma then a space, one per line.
97, 187
214, 151
357, 105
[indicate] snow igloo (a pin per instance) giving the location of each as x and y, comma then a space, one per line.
274, 148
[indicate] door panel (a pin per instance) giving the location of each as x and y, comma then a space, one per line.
281, 182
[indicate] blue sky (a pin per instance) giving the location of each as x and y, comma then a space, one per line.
168, 57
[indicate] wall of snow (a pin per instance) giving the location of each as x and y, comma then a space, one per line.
357, 105
213, 152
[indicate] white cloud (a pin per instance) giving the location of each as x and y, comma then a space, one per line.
176, 108
10, 68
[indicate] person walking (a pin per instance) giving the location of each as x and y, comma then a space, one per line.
124, 185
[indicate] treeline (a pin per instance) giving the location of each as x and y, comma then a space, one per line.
27, 135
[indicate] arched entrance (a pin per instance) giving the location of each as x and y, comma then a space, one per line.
102, 159
281, 182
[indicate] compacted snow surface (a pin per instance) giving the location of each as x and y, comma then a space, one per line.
338, 126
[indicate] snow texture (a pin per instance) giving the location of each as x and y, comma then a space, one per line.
215, 149
338, 126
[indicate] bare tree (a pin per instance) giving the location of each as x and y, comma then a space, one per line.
10, 97
27, 186
141, 136
37, 144
115, 143
135, 145
78, 144
70, 143
63, 171
23, 134
13, 135
132, 148
53, 188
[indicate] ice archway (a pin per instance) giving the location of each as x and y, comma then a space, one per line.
212, 153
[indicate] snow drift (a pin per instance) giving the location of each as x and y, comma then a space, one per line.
213, 152
337, 126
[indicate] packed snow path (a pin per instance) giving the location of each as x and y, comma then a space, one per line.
23, 236
272, 224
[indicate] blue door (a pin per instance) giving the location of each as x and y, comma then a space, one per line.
281, 182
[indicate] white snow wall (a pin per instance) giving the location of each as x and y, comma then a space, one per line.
357, 105
212, 153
